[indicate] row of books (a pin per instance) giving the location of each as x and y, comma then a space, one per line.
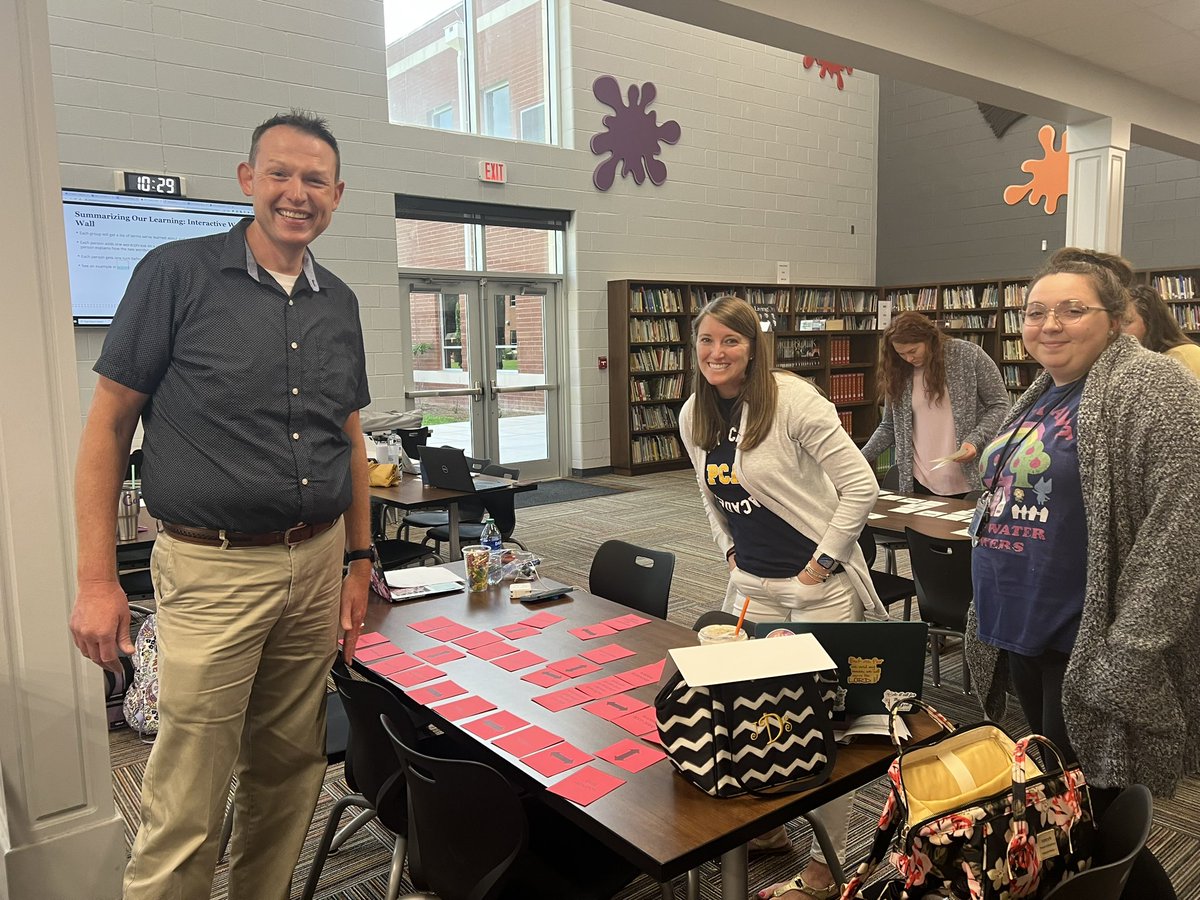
649, 418
701, 295
1014, 294
644, 330
798, 350
971, 321
664, 387
839, 351
979, 340
847, 419
656, 448
1187, 316
861, 302
848, 388
1017, 376
655, 359
1175, 287
902, 301
653, 299
1012, 321
1011, 348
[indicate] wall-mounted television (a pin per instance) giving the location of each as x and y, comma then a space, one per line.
108, 234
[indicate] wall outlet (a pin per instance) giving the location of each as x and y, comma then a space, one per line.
1043, 245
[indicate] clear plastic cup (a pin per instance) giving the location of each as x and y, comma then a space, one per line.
477, 557
721, 634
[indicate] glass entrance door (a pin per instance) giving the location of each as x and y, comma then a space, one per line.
485, 370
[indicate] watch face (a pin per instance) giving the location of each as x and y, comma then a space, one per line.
826, 562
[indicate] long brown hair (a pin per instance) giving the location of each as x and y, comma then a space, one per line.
1162, 331
893, 372
759, 391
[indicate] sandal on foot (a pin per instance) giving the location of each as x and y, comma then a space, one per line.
775, 841
799, 884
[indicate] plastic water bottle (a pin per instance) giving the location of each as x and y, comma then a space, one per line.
393, 448
490, 538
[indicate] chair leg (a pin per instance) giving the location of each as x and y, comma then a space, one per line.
398, 852
693, 888
908, 608
226, 832
935, 658
966, 668
665, 889
318, 863
351, 829
889, 553
831, 858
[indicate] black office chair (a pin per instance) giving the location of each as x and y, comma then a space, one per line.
890, 543
471, 837
942, 575
395, 553
1123, 832
889, 586
500, 505
633, 576
440, 518
720, 617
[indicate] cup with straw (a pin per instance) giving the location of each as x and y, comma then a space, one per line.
724, 633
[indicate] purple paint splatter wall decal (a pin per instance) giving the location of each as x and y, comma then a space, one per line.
633, 135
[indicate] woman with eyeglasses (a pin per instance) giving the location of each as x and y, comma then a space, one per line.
1151, 322
943, 399
1087, 565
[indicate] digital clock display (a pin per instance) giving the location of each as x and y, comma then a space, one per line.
159, 185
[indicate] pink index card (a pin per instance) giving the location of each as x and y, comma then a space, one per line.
516, 631
638, 723
631, 620
545, 678
435, 693
603, 687
630, 755
574, 666
376, 651
522, 659
449, 632
461, 709
557, 759
478, 639
492, 651
419, 675
439, 655
591, 632
613, 708
394, 664
494, 725
652, 737
563, 698
427, 625
606, 654
541, 620
526, 741
586, 785
643, 675
370, 639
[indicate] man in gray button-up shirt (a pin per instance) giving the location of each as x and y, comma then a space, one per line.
244, 360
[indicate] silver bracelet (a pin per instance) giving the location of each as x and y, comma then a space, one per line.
820, 577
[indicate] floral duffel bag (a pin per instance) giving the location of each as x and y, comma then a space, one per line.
971, 816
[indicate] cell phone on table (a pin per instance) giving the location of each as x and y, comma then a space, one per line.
548, 594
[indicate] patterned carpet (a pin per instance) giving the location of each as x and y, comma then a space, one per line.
663, 512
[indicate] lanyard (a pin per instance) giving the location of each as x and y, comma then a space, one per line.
1005, 455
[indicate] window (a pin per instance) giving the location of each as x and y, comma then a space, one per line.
497, 112
451, 332
533, 124
440, 53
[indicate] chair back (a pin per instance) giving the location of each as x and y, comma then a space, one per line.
633, 576
941, 570
866, 541
501, 505
720, 617
370, 761
467, 824
413, 439
1123, 833
472, 509
891, 479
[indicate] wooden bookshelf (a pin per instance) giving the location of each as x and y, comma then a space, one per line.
1178, 288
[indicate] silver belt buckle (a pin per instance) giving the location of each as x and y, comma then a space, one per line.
287, 535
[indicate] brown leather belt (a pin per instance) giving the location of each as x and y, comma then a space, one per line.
233, 540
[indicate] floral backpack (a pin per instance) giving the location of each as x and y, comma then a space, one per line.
141, 700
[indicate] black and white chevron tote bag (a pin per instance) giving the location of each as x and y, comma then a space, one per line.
767, 735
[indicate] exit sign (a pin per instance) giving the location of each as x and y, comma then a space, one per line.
495, 172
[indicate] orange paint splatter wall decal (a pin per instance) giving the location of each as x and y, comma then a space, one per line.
835, 71
1048, 179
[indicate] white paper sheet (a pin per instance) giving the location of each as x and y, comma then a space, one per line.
419, 576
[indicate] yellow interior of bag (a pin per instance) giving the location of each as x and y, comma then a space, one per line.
960, 770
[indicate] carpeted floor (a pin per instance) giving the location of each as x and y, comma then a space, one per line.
562, 490
659, 511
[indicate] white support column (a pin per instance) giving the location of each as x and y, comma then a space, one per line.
60, 836
1096, 184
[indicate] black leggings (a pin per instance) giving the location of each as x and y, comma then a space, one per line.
1038, 683
919, 488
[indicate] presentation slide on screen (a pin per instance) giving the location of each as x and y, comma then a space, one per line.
108, 234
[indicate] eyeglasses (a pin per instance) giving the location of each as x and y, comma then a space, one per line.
1067, 313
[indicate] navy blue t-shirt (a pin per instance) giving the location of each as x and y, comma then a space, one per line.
1031, 562
767, 546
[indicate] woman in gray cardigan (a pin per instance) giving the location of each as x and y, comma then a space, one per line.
936, 444
1087, 567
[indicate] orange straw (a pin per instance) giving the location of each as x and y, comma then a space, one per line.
742, 617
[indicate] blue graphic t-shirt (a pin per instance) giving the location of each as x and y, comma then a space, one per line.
1031, 561
767, 546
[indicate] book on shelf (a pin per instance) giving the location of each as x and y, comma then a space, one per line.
839, 351
990, 298
1014, 294
642, 331
1013, 348
847, 420
652, 418
814, 300
961, 296
702, 294
849, 387
661, 387
656, 299
656, 448
858, 302
656, 359
798, 352
1174, 286
1187, 315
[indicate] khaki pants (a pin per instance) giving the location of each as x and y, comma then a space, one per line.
245, 640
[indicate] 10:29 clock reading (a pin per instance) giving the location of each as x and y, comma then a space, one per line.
147, 183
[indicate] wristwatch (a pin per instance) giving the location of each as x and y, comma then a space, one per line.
366, 553
826, 562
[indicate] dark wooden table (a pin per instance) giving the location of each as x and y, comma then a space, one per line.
410, 493
659, 822
895, 523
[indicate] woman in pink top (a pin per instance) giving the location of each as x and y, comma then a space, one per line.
943, 399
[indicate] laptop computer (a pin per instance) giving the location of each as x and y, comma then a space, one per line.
872, 657
446, 467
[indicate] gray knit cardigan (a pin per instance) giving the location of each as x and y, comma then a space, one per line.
1131, 694
978, 400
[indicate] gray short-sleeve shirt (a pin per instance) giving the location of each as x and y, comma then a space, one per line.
248, 388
